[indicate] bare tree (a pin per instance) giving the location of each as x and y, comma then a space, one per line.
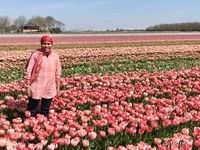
59, 24
4, 24
45, 24
50, 21
19, 23
54, 25
38, 20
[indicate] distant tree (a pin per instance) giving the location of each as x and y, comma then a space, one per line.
191, 26
58, 27
13, 29
47, 23
19, 23
50, 21
119, 30
38, 20
59, 24
4, 24
54, 25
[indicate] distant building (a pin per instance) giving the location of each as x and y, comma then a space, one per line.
34, 28
31, 28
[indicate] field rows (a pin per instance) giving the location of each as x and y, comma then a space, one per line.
113, 96
33, 39
96, 55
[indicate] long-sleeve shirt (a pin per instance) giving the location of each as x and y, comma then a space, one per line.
44, 86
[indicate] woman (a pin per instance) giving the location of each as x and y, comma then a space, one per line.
43, 73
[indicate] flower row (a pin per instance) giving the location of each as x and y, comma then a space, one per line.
31, 39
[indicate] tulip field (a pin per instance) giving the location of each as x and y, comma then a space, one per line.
118, 92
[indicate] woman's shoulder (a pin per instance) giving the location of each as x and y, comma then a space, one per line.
35, 53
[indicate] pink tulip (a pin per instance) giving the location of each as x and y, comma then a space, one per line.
196, 132
117, 128
111, 131
86, 143
87, 112
75, 141
131, 147
131, 130
154, 124
121, 148
81, 133
44, 142
144, 146
72, 131
157, 141
26, 123
10, 131
39, 146
11, 145
56, 134
15, 136
149, 129
197, 143
89, 129
65, 128
2, 132
49, 129
123, 124
31, 146
185, 131
27, 114
3, 142
52, 146
162, 147
111, 148
141, 131
166, 123
92, 135
21, 146
31, 136
67, 139
102, 133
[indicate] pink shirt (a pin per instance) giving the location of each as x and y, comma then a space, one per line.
44, 86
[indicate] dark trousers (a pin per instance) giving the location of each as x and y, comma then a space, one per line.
33, 105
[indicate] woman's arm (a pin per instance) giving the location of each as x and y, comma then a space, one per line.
58, 76
28, 70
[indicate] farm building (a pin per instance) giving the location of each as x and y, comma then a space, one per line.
31, 28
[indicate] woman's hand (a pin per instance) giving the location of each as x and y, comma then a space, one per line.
28, 91
58, 87
58, 92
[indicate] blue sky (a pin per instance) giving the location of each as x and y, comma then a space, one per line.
105, 14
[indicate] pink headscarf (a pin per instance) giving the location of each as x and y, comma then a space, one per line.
46, 38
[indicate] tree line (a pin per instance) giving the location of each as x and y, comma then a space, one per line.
190, 26
50, 24
47, 24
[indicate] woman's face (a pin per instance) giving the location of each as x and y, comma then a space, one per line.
46, 46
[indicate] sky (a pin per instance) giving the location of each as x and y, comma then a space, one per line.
105, 14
